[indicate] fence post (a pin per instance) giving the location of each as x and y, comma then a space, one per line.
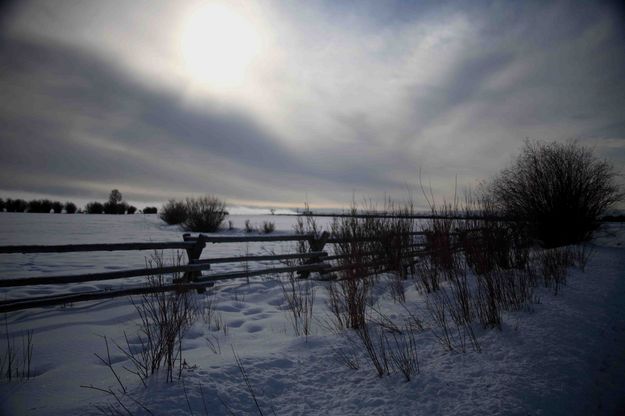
194, 253
314, 244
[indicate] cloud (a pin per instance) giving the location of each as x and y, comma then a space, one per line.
348, 98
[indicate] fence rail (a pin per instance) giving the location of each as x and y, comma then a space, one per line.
69, 248
315, 260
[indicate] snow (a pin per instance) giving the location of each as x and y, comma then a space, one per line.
565, 356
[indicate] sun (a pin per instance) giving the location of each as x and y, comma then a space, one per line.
219, 45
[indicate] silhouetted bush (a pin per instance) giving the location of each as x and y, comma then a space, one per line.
131, 209
57, 207
559, 190
70, 208
249, 228
16, 205
115, 208
2, 205
174, 212
149, 210
204, 214
40, 206
94, 208
268, 227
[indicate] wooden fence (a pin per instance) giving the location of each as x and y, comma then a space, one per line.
314, 260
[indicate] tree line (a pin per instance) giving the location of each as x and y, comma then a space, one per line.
114, 205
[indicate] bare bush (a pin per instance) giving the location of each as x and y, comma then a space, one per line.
553, 266
268, 227
164, 318
559, 190
249, 228
375, 345
436, 305
300, 299
451, 322
347, 300
348, 297
487, 306
429, 275
204, 214
16, 360
174, 212
403, 352
581, 254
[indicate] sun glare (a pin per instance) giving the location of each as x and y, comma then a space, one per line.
219, 44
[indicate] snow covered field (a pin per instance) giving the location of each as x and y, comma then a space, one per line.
566, 356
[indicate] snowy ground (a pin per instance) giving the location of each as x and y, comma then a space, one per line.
564, 357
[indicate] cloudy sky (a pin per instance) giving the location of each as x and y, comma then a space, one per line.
278, 102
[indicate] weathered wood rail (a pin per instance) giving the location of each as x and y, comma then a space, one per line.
315, 260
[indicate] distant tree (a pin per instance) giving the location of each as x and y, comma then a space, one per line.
70, 208
559, 190
131, 210
2, 205
94, 208
115, 197
57, 207
150, 210
40, 206
16, 205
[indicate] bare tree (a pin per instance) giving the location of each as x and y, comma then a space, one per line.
115, 197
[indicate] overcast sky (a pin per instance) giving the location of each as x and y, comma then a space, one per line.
275, 102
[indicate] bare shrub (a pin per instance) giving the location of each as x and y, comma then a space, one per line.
581, 254
451, 317
559, 190
300, 299
348, 297
429, 275
268, 227
488, 241
394, 244
16, 360
164, 318
347, 300
403, 352
436, 305
486, 303
553, 266
249, 228
375, 345
306, 224
348, 357
174, 212
204, 214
